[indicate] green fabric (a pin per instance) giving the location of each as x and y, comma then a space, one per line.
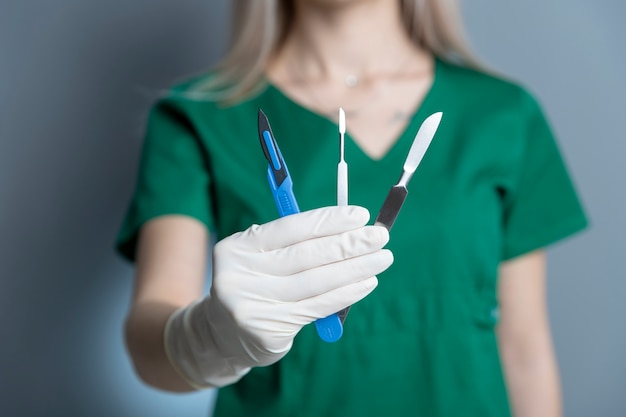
492, 186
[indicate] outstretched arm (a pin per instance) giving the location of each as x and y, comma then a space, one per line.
170, 271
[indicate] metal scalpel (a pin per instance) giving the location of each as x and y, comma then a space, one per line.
395, 199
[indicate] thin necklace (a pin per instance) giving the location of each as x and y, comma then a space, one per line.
351, 81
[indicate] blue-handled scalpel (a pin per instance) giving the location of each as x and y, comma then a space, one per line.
328, 328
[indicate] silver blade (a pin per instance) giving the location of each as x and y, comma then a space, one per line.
421, 142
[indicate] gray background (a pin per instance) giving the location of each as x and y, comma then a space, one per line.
76, 80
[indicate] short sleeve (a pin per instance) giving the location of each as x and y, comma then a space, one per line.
543, 206
173, 175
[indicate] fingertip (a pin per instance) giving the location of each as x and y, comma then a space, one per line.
382, 233
360, 214
371, 283
389, 256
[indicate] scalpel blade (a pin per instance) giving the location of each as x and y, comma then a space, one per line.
395, 199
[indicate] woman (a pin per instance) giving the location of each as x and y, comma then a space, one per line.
457, 325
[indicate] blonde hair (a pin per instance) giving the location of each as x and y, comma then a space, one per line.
260, 26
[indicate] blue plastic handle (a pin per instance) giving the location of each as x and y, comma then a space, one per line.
328, 328
283, 196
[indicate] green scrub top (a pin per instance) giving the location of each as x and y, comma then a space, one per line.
491, 187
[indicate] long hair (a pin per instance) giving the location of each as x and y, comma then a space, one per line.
260, 26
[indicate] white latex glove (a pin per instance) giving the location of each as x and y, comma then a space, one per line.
268, 282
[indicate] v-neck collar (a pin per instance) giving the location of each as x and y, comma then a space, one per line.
407, 134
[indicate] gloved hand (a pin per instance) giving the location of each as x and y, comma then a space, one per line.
268, 282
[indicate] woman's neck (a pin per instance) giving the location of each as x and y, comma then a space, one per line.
331, 40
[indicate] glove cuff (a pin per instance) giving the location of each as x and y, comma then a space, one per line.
191, 349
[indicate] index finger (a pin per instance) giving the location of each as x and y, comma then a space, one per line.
310, 224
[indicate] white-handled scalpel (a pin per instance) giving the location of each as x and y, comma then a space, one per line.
342, 167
